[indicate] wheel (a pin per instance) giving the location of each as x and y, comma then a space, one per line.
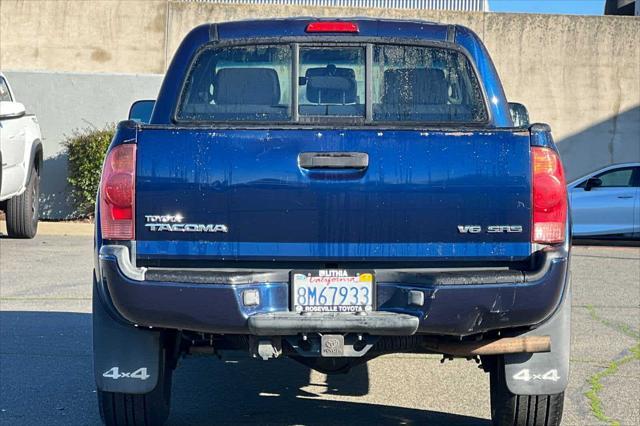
151, 409
521, 410
22, 210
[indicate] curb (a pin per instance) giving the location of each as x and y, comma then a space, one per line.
58, 228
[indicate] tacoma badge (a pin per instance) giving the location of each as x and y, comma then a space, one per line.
173, 223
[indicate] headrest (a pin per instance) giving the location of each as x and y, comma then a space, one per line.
331, 85
417, 86
246, 86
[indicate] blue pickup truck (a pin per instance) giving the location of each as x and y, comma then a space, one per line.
331, 191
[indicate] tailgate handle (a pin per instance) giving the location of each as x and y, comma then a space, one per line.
333, 160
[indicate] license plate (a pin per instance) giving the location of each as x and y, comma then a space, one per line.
332, 290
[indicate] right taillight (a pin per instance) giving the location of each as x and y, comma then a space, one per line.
117, 193
549, 197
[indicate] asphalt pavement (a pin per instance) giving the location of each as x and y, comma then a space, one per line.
46, 375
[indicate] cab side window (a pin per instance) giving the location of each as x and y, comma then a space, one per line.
616, 178
5, 96
635, 179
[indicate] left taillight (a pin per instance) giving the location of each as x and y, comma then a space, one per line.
118, 193
549, 197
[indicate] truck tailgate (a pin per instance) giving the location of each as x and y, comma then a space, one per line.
422, 195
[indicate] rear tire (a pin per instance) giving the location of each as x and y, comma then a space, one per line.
150, 409
521, 410
23, 210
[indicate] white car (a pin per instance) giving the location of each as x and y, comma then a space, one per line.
21, 158
606, 202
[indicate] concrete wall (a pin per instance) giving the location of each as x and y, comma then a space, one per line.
83, 36
578, 73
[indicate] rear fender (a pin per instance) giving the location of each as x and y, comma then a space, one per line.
35, 158
126, 359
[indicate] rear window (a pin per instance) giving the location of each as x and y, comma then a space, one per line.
332, 81
412, 84
425, 84
244, 83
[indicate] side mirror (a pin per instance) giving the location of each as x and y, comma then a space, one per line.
519, 115
11, 109
141, 111
592, 183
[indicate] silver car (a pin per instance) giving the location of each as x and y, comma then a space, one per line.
606, 202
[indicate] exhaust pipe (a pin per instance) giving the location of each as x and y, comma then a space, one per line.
506, 345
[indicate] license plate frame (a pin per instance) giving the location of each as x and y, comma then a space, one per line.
337, 278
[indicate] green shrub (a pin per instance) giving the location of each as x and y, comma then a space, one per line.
86, 150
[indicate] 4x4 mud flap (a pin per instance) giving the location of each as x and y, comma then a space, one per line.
544, 373
126, 359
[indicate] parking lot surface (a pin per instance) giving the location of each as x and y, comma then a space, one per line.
46, 374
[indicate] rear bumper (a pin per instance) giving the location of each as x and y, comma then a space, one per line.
292, 323
439, 303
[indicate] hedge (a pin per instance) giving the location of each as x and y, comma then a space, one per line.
86, 150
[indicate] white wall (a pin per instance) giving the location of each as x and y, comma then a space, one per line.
67, 101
